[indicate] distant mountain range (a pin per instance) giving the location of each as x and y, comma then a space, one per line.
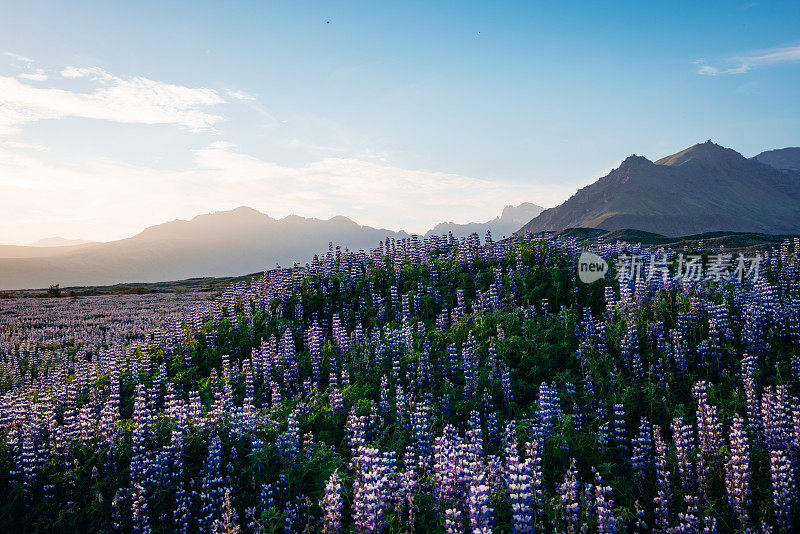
239, 241
59, 242
506, 224
225, 243
705, 188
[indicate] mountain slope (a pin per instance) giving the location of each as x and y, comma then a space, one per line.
704, 188
785, 159
235, 242
506, 224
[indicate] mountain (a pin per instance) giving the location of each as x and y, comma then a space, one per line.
506, 224
704, 188
785, 159
59, 242
225, 243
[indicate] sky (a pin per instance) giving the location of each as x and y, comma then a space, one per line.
115, 116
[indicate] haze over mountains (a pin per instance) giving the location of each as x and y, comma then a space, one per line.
704, 188
58, 242
225, 243
239, 241
512, 218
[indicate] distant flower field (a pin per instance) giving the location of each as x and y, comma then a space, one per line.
436, 385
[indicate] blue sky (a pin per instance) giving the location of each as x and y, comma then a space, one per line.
115, 116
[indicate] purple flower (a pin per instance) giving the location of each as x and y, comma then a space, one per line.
737, 470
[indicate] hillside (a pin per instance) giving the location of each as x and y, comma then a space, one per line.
786, 159
478, 379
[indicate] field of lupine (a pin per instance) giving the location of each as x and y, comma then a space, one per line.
435, 385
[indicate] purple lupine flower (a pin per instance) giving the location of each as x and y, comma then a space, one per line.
355, 430
533, 453
139, 512
568, 498
406, 488
505, 382
689, 521
737, 471
784, 492
603, 506
548, 410
630, 348
453, 521
683, 438
663, 496
420, 432
449, 470
372, 488
212, 485
620, 436
709, 431
289, 356
518, 475
776, 418
642, 457
332, 504
480, 514
314, 337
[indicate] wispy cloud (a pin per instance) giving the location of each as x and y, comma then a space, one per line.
18, 57
113, 98
37, 75
26, 63
746, 63
240, 95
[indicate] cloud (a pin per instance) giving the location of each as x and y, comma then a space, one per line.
113, 98
744, 64
18, 57
83, 72
125, 198
26, 63
240, 95
38, 75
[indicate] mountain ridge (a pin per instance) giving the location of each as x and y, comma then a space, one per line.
505, 224
784, 159
706, 187
223, 243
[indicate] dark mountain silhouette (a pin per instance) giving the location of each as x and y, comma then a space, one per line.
705, 188
506, 224
235, 242
785, 159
